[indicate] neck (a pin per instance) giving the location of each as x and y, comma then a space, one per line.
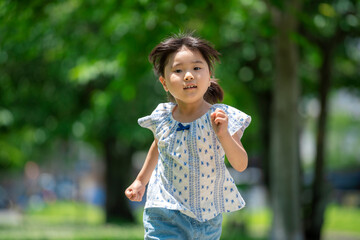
188, 112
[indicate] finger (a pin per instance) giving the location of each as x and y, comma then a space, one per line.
213, 116
138, 198
216, 113
218, 110
133, 197
220, 120
221, 115
129, 194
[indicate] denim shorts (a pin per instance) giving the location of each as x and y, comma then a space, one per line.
161, 223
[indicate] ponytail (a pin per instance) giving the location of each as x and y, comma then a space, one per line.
214, 94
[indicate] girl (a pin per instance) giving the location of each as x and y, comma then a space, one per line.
190, 187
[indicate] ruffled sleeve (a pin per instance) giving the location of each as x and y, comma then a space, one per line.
153, 120
238, 120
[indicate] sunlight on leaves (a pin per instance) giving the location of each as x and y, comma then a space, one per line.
6, 117
327, 10
78, 129
10, 155
101, 99
85, 72
59, 12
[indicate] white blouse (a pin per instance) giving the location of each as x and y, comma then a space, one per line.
191, 175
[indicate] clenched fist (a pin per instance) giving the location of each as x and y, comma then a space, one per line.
219, 121
135, 191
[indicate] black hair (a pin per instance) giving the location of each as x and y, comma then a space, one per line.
159, 57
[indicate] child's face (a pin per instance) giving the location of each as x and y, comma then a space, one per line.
186, 76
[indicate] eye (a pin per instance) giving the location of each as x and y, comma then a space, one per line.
178, 71
197, 68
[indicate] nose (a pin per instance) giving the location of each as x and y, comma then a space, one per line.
188, 76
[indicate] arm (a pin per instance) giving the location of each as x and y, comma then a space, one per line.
232, 146
136, 190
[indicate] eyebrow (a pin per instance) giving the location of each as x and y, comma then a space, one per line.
196, 61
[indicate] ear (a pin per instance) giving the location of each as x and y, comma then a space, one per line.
163, 82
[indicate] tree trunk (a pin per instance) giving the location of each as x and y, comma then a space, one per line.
264, 106
285, 184
318, 204
117, 175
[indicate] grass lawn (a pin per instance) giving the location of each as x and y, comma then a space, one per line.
71, 220
342, 219
72, 231
341, 223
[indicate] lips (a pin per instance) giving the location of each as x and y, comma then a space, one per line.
190, 86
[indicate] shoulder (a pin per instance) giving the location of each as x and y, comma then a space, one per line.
228, 109
161, 113
164, 108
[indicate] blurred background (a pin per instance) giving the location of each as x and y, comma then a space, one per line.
74, 79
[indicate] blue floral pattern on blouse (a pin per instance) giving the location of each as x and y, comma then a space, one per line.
191, 175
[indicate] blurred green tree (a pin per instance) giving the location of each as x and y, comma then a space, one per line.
285, 167
74, 70
328, 30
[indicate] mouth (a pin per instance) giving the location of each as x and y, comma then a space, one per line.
190, 86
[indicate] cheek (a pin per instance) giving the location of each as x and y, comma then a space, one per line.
173, 78
204, 73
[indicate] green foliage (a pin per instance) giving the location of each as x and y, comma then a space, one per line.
72, 69
342, 149
78, 69
330, 27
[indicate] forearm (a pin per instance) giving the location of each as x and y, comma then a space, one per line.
234, 151
149, 164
